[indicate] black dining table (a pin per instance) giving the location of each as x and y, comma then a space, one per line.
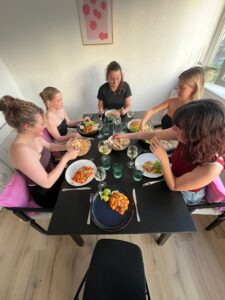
161, 210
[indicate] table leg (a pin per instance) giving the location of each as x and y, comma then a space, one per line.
163, 238
78, 239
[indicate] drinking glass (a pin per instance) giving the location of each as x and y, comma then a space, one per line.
130, 114
104, 147
117, 170
137, 175
106, 130
100, 175
116, 127
132, 153
105, 160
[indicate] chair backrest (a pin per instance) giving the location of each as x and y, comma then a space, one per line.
116, 271
16, 193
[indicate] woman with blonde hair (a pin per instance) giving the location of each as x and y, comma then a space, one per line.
57, 119
30, 154
190, 87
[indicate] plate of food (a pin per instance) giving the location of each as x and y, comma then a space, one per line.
112, 208
149, 164
80, 172
119, 144
167, 145
83, 144
112, 113
134, 125
87, 127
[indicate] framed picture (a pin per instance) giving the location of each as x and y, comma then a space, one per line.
95, 21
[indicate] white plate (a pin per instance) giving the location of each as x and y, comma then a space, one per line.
112, 111
131, 121
141, 159
75, 166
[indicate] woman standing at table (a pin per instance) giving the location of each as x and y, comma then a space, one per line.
190, 87
115, 93
57, 119
199, 127
30, 154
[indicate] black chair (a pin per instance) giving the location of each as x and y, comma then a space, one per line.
25, 214
209, 209
116, 272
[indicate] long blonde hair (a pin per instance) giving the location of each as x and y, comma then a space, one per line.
194, 77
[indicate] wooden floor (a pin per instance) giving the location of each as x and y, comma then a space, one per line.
34, 266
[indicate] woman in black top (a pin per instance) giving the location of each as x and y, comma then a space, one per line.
115, 93
57, 119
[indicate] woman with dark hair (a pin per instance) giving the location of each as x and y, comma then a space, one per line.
115, 93
199, 127
30, 154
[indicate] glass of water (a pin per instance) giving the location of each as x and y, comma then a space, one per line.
116, 127
132, 153
100, 175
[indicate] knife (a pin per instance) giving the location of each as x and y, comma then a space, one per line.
76, 189
152, 182
135, 202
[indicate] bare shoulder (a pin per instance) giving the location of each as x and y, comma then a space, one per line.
18, 151
173, 101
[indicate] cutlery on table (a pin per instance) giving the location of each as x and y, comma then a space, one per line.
76, 189
152, 182
135, 202
89, 213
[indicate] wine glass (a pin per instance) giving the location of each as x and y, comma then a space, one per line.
100, 175
130, 114
132, 153
100, 125
104, 147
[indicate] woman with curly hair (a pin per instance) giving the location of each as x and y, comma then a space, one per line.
199, 127
115, 93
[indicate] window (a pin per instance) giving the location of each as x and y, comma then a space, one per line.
215, 58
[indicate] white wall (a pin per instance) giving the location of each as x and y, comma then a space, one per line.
7, 87
153, 40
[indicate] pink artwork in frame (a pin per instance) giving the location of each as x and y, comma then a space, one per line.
95, 21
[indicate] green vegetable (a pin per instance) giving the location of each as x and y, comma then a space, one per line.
88, 123
104, 195
107, 192
156, 167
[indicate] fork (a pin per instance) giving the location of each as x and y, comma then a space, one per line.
89, 213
